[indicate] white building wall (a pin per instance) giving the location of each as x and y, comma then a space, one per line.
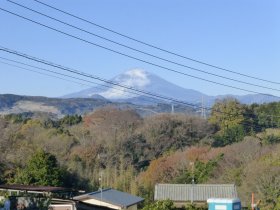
101, 203
134, 207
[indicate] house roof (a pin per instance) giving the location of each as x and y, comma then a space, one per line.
112, 196
196, 192
33, 188
223, 200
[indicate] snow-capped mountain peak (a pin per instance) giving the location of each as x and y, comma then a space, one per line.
136, 78
141, 80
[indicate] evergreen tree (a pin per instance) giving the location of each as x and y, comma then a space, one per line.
41, 169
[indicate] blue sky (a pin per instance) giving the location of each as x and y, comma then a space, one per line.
240, 35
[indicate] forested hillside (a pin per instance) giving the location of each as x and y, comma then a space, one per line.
237, 144
59, 107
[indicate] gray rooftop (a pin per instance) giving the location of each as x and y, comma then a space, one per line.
112, 196
196, 192
33, 188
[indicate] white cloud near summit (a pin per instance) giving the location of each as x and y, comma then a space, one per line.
136, 78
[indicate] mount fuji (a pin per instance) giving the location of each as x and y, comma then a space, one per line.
141, 80
147, 82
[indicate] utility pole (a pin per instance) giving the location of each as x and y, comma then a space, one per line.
100, 180
252, 202
190, 130
203, 114
192, 193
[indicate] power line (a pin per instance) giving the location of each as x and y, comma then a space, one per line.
152, 95
99, 88
43, 73
132, 57
96, 77
153, 46
140, 51
184, 103
65, 75
96, 87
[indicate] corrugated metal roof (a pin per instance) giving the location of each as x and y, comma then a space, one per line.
196, 192
112, 196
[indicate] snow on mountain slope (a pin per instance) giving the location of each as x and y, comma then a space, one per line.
141, 80
136, 78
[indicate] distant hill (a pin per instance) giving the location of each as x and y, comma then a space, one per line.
68, 106
148, 82
90, 99
17, 104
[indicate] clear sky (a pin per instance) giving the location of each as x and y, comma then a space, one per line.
240, 35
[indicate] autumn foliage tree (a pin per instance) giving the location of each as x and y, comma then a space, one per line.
133, 153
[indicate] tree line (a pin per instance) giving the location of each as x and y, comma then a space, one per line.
133, 153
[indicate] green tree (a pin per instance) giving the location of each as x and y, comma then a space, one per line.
233, 134
277, 206
160, 205
227, 113
41, 169
194, 207
71, 120
268, 115
268, 185
201, 172
230, 117
1, 172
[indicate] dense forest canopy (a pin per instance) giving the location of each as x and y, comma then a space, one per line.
237, 144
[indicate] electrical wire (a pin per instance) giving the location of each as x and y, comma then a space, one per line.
72, 81
152, 95
45, 74
72, 77
132, 57
97, 78
143, 52
245, 123
153, 46
98, 88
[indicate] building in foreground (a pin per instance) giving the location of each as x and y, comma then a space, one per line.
111, 198
224, 204
59, 198
182, 194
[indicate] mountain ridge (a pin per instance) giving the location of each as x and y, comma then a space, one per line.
139, 79
59, 107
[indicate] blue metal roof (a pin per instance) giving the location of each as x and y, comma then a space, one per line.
114, 197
